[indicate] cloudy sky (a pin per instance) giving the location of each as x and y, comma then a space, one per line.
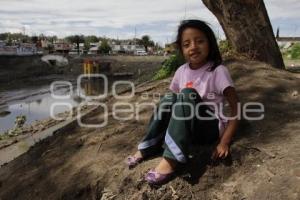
120, 18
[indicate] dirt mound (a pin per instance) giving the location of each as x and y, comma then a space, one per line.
88, 163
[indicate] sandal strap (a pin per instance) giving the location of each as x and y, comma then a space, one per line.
132, 160
155, 177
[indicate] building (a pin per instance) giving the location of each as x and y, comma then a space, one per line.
8, 50
2, 43
127, 49
93, 50
62, 47
26, 49
22, 49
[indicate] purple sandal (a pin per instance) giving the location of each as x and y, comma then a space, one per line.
155, 178
132, 161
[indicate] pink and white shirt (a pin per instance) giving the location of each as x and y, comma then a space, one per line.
210, 85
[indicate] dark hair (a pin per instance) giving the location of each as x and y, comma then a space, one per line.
214, 52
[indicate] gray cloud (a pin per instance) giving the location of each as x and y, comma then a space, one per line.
158, 18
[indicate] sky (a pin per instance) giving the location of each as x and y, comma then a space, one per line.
124, 19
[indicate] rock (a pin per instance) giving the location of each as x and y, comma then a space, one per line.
20, 121
4, 113
295, 93
107, 195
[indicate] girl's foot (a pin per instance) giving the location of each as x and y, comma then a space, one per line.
163, 172
166, 166
134, 160
138, 154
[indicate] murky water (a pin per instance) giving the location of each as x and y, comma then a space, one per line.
36, 104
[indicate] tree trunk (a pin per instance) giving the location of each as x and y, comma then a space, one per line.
248, 29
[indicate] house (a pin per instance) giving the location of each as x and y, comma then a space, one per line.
139, 49
127, 48
26, 49
93, 50
2, 43
21, 49
115, 48
62, 47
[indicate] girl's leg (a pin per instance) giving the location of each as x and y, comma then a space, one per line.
155, 133
186, 128
182, 130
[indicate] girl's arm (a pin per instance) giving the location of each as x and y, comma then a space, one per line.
222, 148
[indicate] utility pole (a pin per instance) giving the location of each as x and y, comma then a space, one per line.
134, 40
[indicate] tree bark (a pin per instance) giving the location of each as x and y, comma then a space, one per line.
248, 29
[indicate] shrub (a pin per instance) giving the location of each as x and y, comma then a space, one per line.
104, 48
169, 66
295, 51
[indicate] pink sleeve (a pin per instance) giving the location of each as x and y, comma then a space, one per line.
174, 86
222, 79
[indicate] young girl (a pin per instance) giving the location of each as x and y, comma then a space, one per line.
192, 113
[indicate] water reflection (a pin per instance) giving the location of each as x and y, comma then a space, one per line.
92, 87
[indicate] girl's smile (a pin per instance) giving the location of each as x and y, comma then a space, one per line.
195, 47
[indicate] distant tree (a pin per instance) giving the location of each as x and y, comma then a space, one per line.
104, 48
14, 37
3, 36
90, 39
50, 48
157, 46
146, 42
34, 39
9, 41
52, 39
41, 36
75, 39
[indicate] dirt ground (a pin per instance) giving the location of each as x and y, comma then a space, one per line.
88, 163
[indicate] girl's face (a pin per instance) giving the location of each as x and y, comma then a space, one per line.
195, 47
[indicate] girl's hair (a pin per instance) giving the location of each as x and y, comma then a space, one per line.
214, 52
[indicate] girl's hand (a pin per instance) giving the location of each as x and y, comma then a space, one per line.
221, 151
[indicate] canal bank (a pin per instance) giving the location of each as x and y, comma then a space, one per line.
32, 96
